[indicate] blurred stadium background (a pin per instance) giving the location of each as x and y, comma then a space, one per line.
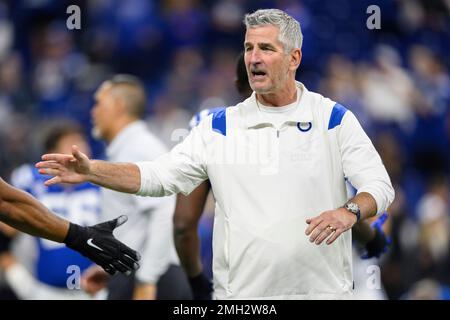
395, 79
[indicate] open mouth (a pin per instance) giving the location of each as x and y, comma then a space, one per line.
258, 74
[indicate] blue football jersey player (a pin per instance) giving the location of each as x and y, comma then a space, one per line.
79, 203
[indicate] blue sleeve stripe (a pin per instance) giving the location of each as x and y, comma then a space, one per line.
219, 121
336, 116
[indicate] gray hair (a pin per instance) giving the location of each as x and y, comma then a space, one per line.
290, 32
132, 91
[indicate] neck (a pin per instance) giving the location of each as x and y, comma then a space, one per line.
280, 98
120, 124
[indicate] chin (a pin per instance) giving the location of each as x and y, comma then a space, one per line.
261, 89
96, 133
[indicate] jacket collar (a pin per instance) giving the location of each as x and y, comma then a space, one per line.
302, 113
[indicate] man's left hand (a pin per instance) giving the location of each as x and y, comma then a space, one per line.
329, 224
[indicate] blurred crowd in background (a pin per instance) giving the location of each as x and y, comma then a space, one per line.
395, 79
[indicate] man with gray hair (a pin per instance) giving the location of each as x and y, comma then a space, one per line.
120, 104
278, 164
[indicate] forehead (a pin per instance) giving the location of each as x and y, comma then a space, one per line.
262, 34
103, 90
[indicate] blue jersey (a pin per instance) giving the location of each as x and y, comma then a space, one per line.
79, 204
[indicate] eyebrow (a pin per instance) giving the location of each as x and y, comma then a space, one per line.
265, 44
260, 44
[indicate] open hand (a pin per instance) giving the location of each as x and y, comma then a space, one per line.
99, 245
65, 168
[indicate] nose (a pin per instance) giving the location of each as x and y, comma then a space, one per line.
93, 111
255, 56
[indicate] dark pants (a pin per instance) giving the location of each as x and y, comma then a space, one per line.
172, 285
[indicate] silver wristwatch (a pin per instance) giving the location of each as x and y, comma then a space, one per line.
353, 208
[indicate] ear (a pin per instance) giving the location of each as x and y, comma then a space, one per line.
120, 104
295, 59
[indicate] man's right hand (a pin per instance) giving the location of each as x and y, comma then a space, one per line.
65, 168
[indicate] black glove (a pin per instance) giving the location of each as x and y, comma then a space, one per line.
4, 242
201, 287
99, 245
377, 246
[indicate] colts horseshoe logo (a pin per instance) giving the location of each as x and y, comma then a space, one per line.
304, 126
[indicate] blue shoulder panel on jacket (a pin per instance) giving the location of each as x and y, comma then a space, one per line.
219, 121
336, 115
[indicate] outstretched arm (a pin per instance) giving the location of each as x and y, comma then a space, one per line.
76, 168
22, 211
180, 170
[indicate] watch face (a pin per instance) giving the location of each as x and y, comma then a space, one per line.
353, 207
